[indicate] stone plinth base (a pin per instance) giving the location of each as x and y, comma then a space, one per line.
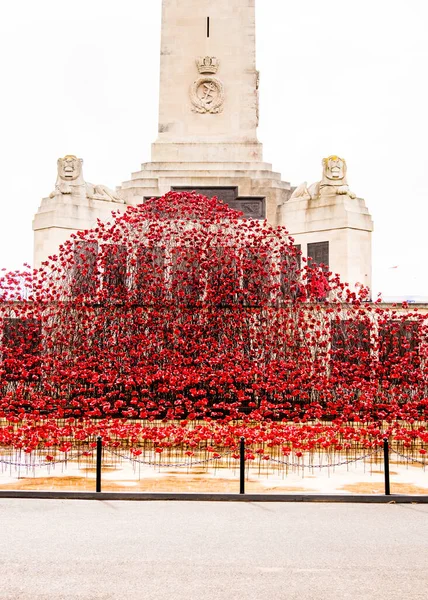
251, 177
342, 221
60, 216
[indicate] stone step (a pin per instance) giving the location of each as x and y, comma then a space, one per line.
204, 166
265, 174
187, 182
136, 196
244, 183
260, 184
141, 183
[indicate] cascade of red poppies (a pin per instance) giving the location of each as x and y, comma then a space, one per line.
180, 310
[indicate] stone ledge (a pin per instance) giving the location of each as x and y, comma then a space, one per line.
212, 151
203, 166
207, 173
214, 179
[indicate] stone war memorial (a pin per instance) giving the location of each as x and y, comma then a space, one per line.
205, 301
208, 117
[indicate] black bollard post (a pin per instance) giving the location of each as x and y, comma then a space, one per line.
99, 457
242, 466
386, 466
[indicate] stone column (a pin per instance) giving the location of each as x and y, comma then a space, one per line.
208, 105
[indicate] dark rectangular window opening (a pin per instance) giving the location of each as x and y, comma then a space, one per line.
255, 276
223, 280
350, 338
399, 351
84, 269
115, 268
22, 335
208, 27
319, 254
319, 264
397, 338
290, 265
149, 273
186, 284
21, 348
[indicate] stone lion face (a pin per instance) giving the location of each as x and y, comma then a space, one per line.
334, 168
69, 167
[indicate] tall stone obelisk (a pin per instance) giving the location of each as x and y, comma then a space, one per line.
208, 105
208, 110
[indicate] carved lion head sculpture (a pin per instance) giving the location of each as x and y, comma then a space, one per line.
69, 168
334, 169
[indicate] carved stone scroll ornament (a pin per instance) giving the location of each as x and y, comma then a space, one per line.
207, 92
70, 181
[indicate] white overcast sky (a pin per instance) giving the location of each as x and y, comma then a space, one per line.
346, 78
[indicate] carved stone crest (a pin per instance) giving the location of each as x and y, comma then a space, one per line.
207, 92
207, 95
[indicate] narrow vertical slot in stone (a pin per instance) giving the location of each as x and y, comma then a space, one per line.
208, 27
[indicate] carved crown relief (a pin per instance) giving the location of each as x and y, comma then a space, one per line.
207, 65
207, 92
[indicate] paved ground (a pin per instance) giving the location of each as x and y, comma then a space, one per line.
67, 550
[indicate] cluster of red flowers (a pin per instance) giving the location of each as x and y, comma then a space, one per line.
178, 310
191, 438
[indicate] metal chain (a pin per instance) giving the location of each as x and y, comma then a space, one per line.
30, 465
167, 465
328, 466
298, 465
278, 461
409, 458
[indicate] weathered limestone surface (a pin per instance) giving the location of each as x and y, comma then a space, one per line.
74, 205
231, 43
329, 211
208, 106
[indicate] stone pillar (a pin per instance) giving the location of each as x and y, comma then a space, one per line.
74, 205
329, 212
208, 104
209, 108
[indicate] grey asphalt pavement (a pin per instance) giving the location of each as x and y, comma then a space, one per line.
69, 550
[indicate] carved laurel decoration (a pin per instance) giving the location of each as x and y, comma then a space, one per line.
207, 95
